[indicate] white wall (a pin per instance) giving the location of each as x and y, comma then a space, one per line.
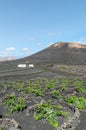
31, 65
22, 65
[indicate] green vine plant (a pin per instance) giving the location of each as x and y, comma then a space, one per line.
50, 113
79, 86
1, 128
81, 89
50, 84
19, 87
78, 102
14, 103
78, 83
65, 83
35, 89
56, 94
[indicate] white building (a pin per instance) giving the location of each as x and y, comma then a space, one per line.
31, 65
22, 65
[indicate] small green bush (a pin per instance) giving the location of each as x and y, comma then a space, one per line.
81, 89
78, 83
65, 83
50, 113
79, 102
19, 87
50, 84
1, 128
14, 103
56, 93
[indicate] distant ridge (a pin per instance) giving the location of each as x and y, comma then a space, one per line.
9, 58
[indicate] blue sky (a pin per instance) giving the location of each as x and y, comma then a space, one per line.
28, 26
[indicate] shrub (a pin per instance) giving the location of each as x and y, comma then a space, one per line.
51, 83
50, 113
81, 89
56, 93
14, 104
79, 102
78, 83
65, 83
1, 128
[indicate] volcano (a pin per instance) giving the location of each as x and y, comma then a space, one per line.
61, 53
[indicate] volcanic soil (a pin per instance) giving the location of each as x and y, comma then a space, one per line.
38, 98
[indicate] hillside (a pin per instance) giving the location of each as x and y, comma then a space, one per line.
69, 56
49, 95
61, 53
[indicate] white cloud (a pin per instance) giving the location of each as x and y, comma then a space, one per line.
10, 49
5, 53
25, 50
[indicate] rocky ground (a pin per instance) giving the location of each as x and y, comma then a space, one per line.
52, 85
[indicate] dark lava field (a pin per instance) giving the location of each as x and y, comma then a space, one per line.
51, 95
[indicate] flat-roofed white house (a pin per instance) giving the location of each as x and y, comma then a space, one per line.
31, 65
22, 65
